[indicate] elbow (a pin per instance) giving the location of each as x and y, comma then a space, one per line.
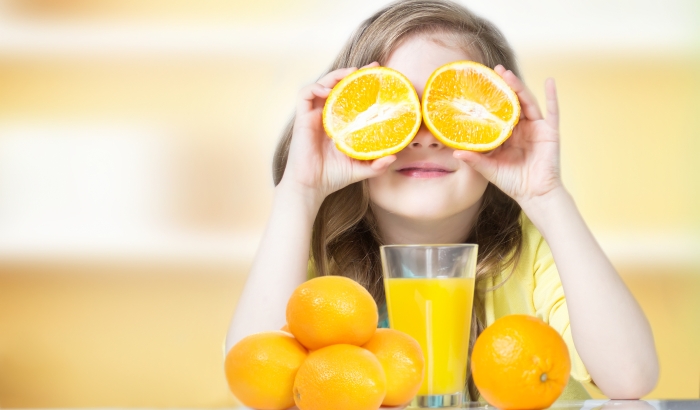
634, 384
630, 392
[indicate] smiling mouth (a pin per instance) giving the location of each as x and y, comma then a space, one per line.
424, 172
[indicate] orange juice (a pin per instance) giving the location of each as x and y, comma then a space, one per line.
437, 313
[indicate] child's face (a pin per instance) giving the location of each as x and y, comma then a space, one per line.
426, 182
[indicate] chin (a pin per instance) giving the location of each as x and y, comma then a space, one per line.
424, 209
419, 216
429, 202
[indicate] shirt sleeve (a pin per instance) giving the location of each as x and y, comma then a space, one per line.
550, 306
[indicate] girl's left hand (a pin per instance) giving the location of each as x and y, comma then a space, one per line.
526, 166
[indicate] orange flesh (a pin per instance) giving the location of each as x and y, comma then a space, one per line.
373, 113
465, 106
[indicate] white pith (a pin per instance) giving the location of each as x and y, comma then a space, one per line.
478, 111
375, 114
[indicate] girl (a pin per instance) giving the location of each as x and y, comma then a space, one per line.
534, 247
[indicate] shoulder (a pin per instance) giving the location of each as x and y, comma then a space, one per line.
531, 236
534, 263
513, 291
535, 250
534, 247
310, 269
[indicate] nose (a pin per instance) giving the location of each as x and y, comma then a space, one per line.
425, 139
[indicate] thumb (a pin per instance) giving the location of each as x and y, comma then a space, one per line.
481, 163
374, 168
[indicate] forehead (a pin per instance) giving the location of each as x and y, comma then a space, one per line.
418, 56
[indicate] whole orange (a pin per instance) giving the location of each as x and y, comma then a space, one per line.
340, 377
329, 310
402, 360
260, 369
520, 362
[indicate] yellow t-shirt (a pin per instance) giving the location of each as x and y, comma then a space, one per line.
534, 289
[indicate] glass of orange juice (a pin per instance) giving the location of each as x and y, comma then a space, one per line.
429, 294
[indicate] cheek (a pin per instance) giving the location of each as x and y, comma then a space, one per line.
467, 190
381, 191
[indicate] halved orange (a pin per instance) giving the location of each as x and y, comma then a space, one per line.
372, 113
468, 106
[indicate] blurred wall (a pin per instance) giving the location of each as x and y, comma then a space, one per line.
136, 140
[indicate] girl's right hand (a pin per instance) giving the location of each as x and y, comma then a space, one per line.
314, 165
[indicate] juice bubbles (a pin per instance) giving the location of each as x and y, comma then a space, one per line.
437, 313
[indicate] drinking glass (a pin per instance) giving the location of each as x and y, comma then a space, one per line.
429, 293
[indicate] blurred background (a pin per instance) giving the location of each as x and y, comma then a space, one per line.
136, 139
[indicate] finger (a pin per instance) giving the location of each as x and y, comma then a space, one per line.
331, 79
308, 94
550, 92
372, 64
528, 102
482, 163
500, 70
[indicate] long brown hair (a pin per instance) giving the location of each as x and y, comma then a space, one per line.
345, 239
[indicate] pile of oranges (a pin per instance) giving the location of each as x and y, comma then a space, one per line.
329, 356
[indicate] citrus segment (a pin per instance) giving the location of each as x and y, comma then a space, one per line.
520, 362
261, 368
340, 377
371, 113
402, 360
468, 106
329, 310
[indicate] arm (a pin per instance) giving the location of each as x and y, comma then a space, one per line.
611, 333
609, 329
315, 169
278, 268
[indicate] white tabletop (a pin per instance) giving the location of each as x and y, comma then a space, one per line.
600, 405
